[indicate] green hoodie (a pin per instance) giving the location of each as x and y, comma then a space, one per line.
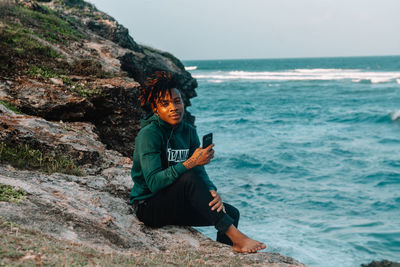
160, 150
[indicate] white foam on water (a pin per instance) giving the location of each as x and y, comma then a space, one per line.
324, 70
395, 115
191, 68
381, 80
216, 81
354, 75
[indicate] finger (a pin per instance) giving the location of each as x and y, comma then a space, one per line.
212, 203
221, 207
210, 147
213, 193
216, 206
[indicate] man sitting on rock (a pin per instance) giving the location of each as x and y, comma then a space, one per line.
171, 185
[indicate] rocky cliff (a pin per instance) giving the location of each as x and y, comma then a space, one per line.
69, 77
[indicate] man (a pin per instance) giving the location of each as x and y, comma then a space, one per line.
171, 185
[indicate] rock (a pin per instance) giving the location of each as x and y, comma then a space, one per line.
75, 139
56, 81
383, 263
111, 30
49, 101
70, 207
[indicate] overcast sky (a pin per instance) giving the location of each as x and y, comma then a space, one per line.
235, 29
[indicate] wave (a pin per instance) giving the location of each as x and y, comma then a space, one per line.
191, 68
355, 117
355, 75
395, 115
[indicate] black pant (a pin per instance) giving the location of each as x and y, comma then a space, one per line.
185, 202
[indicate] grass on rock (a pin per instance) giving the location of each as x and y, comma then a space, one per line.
24, 157
11, 106
11, 194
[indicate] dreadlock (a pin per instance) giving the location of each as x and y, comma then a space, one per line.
154, 87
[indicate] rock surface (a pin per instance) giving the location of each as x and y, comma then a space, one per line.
383, 263
87, 210
74, 73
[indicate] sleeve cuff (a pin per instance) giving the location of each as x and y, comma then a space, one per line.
213, 188
180, 168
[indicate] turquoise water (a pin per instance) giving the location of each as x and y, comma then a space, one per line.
308, 150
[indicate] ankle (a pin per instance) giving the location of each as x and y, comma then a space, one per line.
234, 234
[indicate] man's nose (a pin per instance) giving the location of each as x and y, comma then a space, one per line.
172, 106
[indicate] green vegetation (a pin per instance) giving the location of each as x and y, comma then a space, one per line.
19, 46
48, 25
79, 88
23, 157
82, 91
11, 106
36, 71
11, 194
83, 67
23, 32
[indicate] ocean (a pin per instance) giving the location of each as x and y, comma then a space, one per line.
309, 151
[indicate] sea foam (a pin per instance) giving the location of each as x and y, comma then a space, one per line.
355, 75
191, 68
395, 115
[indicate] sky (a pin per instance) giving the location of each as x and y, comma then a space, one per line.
240, 29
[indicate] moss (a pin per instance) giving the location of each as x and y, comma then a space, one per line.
79, 88
24, 157
11, 194
40, 71
48, 25
82, 91
11, 106
19, 47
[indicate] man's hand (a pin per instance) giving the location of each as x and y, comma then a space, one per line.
216, 203
200, 157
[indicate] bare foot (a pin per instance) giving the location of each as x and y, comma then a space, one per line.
248, 245
242, 243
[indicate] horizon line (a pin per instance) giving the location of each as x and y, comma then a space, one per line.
312, 57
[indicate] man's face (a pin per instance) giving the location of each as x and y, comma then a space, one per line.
170, 107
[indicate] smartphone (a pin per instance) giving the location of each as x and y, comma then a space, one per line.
207, 140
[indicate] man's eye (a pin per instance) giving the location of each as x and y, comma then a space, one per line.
164, 104
178, 101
